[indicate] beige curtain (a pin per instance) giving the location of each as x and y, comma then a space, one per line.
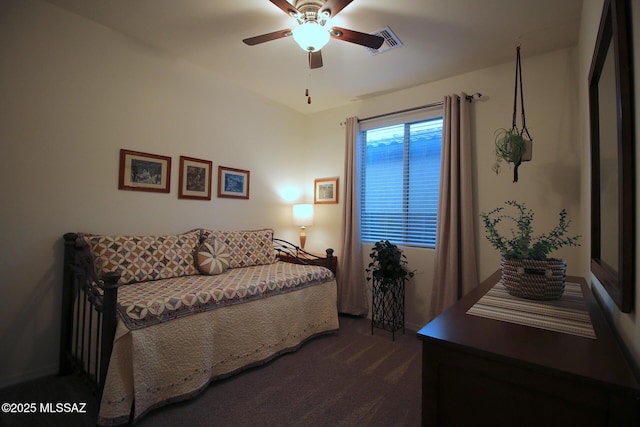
352, 295
455, 270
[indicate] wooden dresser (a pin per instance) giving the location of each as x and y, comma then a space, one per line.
482, 372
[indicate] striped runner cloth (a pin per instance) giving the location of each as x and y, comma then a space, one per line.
568, 315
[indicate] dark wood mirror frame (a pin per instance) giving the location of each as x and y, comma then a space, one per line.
614, 32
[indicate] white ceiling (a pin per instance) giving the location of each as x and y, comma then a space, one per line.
441, 38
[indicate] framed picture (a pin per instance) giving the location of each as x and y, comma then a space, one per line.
233, 183
325, 190
195, 178
144, 172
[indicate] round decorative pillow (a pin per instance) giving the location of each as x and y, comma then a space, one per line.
213, 257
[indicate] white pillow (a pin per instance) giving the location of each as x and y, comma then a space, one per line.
213, 257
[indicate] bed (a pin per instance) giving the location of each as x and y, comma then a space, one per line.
146, 336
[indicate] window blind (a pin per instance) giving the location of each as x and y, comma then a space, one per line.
400, 167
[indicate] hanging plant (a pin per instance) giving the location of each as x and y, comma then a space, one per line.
511, 147
511, 144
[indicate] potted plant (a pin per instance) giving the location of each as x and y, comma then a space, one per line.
527, 271
389, 271
388, 265
511, 146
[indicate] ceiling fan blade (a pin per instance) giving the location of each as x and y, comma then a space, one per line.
286, 7
363, 39
315, 59
334, 6
251, 41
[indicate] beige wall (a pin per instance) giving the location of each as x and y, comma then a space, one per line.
74, 93
547, 184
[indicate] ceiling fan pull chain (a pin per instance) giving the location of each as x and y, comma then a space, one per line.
306, 92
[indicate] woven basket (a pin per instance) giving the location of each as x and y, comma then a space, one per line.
534, 279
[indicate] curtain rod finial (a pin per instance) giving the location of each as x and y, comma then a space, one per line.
477, 95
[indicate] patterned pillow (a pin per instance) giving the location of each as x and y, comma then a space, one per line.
144, 258
213, 257
246, 248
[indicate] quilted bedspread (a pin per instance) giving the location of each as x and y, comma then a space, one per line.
148, 303
169, 361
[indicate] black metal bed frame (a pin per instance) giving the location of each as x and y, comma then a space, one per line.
89, 307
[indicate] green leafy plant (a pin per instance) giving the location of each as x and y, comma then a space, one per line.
510, 147
521, 244
388, 264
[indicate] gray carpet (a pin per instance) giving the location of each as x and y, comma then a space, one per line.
346, 379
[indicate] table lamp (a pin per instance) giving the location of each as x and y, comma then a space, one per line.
303, 217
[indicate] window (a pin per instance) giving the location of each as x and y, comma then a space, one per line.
400, 168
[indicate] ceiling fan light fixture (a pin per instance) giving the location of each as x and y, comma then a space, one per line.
311, 36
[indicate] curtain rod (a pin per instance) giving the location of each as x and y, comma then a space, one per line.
407, 110
469, 98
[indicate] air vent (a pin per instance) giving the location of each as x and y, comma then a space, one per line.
391, 41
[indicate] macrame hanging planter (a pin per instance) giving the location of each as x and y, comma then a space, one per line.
515, 145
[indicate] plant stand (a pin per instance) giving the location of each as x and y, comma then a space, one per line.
387, 309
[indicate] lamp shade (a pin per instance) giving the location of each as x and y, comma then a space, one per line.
311, 36
303, 214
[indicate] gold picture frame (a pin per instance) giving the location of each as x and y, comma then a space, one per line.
325, 190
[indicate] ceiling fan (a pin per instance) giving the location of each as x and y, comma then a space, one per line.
312, 31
